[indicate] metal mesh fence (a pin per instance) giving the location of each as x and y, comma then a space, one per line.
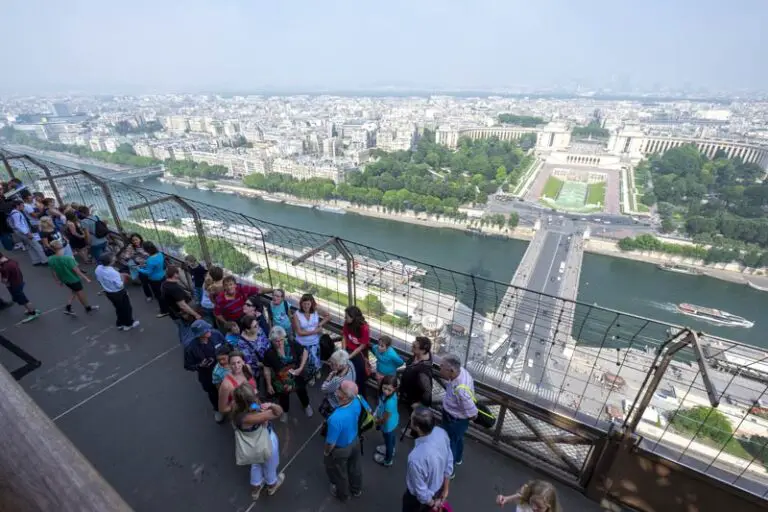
571, 359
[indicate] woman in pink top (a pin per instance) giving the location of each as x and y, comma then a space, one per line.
356, 338
239, 373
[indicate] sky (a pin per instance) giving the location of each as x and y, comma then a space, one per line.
249, 45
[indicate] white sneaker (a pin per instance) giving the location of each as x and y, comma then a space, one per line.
135, 324
284, 418
149, 299
218, 417
308, 411
382, 450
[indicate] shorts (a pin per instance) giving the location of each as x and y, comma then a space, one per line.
75, 287
17, 295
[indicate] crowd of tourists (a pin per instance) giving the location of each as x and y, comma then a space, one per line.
251, 351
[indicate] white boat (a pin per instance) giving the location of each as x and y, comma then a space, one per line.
272, 199
757, 287
202, 186
680, 269
246, 231
295, 203
331, 209
225, 191
715, 316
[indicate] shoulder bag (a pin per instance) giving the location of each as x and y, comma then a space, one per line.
252, 447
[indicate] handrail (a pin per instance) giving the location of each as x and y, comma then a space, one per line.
41, 469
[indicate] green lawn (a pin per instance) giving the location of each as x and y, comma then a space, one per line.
552, 188
596, 193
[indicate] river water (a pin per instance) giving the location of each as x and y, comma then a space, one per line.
620, 284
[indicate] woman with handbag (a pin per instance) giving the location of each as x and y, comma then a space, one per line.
284, 365
356, 338
239, 374
255, 441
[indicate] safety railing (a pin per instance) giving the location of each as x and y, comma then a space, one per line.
561, 376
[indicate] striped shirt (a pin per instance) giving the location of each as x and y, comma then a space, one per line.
232, 308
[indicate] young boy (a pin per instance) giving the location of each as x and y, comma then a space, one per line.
222, 364
387, 359
232, 333
198, 273
14, 280
67, 273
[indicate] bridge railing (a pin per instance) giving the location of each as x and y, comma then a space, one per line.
561, 376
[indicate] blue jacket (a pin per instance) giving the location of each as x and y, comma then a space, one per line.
387, 362
154, 267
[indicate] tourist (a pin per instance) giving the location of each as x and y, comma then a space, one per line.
13, 279
231, 333
176, 300
77, 236
200, 357
153, 272
387, 420
458, 403
131, 257
307, 326
6, 230
284, 365
198, 273
98, 232
249, 415
254, 307
342, 370
51, 210
536, 496
342, 452
253, 342
212, 286
239, 374
221, 370
280, 312
387, 358
356, 338
33, 213
430, 464
26, 233
50, 233
113, 284
416, 380
67, 273
228, 304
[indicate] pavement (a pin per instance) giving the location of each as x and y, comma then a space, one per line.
125, 401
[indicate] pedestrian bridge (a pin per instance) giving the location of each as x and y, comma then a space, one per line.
125, 402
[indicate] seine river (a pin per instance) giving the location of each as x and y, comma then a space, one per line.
616, 283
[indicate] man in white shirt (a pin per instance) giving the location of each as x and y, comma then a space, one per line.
26, 233
113, 283
430, 465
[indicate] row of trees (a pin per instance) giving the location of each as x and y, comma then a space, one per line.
593, 130
721, 196
752, 258
190, 169
430, 178
525, 121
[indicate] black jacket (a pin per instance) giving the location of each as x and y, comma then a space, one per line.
416, 383
195, 353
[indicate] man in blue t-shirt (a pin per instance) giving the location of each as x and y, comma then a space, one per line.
342, 445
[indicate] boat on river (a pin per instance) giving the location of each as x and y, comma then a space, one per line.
331, 209
715, 316
680, 269
272, 199
757, 287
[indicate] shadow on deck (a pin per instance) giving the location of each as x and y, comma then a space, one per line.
126, 402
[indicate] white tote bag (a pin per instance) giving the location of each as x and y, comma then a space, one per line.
252, 447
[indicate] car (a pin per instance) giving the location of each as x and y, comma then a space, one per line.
530, 363
527, 328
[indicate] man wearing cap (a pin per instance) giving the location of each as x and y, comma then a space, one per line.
27, 233
200, 357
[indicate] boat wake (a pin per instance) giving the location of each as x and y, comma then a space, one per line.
665, 306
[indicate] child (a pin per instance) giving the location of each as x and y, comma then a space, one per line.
387, 359
232, 333
12, 278
67, 273
387, 419
536, 495
198, 273
222, 364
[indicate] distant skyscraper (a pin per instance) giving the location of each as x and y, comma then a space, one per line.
61, 109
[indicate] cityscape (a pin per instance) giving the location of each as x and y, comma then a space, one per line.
593, 249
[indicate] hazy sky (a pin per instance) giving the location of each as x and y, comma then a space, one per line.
241, 45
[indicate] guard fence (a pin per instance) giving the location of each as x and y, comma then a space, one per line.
574, 387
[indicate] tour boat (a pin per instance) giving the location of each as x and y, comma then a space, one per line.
757, 287
680, 269
331, 209
713, 315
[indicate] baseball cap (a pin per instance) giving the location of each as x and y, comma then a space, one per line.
200, 327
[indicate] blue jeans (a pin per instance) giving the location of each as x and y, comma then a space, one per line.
185, 332
456, 428
98, 250
389, 444
198, 294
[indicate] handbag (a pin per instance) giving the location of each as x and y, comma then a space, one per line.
252, 447
485, 418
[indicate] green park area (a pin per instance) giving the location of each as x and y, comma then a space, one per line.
552, 188
573, 196
596, 193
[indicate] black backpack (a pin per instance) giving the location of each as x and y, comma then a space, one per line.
100, 228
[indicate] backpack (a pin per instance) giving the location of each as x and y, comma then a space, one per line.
365, 421
100, 229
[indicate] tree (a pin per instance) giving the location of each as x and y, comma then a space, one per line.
667, 226
525, 121
513, 221
371, 305
648, 199
707, 421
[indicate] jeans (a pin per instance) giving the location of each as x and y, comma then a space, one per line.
455, 428
184, 331
97, 251
389, 444
345, 471
198, 294
266, 472
7, 241
34, 249
122, 303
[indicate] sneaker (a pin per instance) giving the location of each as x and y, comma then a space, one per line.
134, 325
69, 312
381, 459
284, 418
272, 489
218, 417
308, 411
382, 450
32, 313
453, 475
311, 382
161, 315
256, 492
92, 308
149, 299
458, 463
356, 494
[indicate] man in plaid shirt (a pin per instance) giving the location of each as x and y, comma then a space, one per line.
458, 405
